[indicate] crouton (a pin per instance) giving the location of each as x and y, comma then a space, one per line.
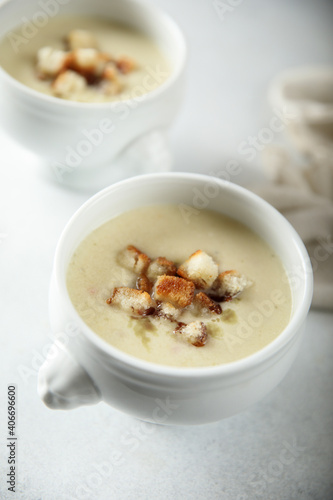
177, 291
68, 83
143, 283
81, 39
110, 72
206, 305
227, 285
195, 333
135, 302
161, 266
109, 87
199, 268
50, 62
126, 64
168, 311
89, 63
134, 260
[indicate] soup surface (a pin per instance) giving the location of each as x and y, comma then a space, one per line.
18, 56
248, 322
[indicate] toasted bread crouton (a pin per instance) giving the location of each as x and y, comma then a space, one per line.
134, 260
206, 305
143, 283
228, 284
50, 62
109, 87
199, 268
177, 291
68, 83
161, 266
195, 333
126, 64
81, 39
132, 301
168, 311
110, 72
89, 63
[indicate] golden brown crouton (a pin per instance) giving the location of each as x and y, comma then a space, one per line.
206, 305
68, 84
195, 333
143, 283
134, 260
228, 284
177, 291
89, 63
199, 268
168, 311
109, 87
126, 64
161, 266
81, 39
132, 301
50, 62
110, 72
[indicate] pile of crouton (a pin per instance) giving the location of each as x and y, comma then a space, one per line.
72, 71
165, 290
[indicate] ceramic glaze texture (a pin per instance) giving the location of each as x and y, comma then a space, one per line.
137, 387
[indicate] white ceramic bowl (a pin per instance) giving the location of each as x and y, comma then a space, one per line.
84, 369
53, 127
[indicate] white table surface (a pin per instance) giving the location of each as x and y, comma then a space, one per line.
280, 449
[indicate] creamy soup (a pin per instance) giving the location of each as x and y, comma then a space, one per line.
247, 323
18, 56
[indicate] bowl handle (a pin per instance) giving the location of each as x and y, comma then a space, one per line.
63, 384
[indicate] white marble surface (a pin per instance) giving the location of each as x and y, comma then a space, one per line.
281, 448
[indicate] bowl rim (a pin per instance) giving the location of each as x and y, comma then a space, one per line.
227, 369
175, 74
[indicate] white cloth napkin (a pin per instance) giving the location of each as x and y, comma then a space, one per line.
300, 185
